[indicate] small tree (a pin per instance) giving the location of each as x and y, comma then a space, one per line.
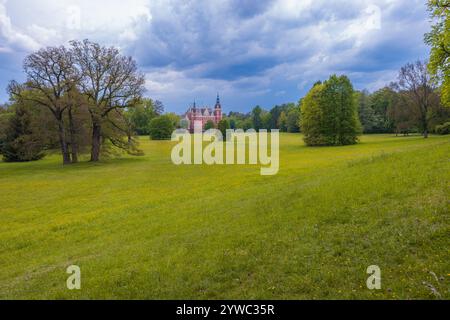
282, 122
141, 115
21, 141
223, 125
293, 120
266, 120
256, 117
161, 128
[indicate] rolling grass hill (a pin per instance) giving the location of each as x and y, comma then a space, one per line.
143, 228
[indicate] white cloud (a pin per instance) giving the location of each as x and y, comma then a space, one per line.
11, 36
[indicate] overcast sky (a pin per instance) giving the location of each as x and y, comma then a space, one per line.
252, 52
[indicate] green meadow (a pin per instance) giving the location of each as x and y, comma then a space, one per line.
143, 228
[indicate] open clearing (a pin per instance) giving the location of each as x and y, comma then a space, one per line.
143, 228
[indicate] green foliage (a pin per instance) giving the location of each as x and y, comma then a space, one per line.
223, 125
141, 115
21, 141
282, 122
161, 128
175, 119
209, 125
293, 120
403, 114
443, 128
439, 40
256, 117
329, 113
266, 120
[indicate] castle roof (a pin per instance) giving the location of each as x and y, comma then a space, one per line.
205, 111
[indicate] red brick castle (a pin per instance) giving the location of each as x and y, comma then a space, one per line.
203, 115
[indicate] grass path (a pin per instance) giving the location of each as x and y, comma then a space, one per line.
142, 228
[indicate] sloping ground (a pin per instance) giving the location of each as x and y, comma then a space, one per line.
143, 228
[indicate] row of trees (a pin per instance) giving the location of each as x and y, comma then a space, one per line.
284, 117
332, 113
83, 93
412, 104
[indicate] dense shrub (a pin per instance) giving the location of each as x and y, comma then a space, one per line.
443, 128
161, 128
20, 140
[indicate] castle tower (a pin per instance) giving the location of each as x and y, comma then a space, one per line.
217, 110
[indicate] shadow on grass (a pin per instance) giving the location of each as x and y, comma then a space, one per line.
52, 164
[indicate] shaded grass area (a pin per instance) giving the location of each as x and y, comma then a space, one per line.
143, 228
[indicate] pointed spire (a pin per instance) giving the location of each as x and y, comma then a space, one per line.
218, 99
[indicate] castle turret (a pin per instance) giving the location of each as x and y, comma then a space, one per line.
217, 110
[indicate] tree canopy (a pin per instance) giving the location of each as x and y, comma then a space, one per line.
329, 113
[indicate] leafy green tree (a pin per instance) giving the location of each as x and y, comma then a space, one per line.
21, 140
439, 40
232, 123
380, 101
329, 113
403, 114
256, 118
158, 107
223, 125
209, 125
369, 120
176, 119
141, 115
293, 120
312, 114
266, 120
161, 128
282, 122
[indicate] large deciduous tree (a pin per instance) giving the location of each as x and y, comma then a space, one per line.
50, 79
109, 80
415, 85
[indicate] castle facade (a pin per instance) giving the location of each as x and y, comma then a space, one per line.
203, 115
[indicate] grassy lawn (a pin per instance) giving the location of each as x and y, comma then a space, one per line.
143, 228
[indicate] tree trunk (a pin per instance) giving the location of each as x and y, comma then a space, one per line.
96, 141
425, 126
73, 140
425, 121
62, 141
